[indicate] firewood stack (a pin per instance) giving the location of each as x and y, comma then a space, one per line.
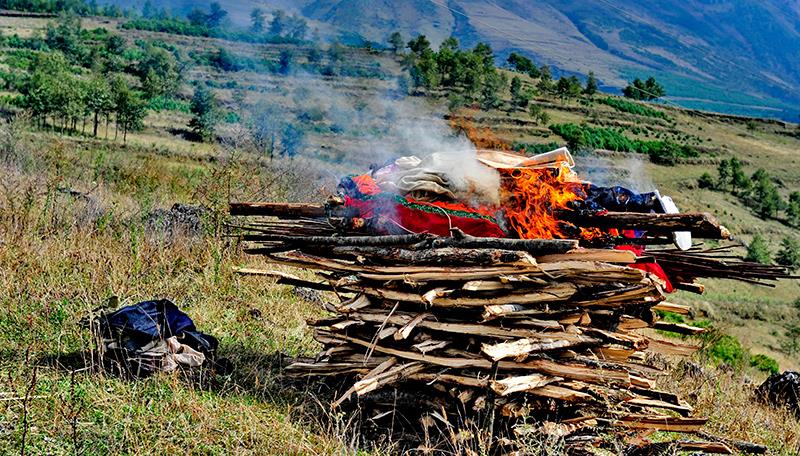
506, 329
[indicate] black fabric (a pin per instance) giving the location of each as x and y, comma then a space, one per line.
619, 199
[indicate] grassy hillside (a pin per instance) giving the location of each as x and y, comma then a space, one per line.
83, 219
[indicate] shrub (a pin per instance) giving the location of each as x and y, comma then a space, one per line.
706, 181
727, 349
533, 149
633, 108
582, 137
670, 317
764, 363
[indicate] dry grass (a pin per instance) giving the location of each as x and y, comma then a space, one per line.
726, 398
61, 257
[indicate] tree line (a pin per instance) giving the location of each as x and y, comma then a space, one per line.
78, 7
757, 191
212, 22
82, 78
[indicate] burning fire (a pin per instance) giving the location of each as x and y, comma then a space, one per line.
532, 197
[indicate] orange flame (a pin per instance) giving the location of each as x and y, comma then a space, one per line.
533, 196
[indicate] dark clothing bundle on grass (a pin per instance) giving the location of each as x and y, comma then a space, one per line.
153, 336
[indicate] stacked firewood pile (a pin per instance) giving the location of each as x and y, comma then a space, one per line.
445, 329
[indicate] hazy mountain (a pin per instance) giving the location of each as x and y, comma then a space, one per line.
718, 54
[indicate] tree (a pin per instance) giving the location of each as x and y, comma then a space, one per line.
148, 10
158, 70
129, 108
197, 17
419, 45
539, 115
424, 70
494, 82
793, 209
568, 87
215, 16
266, 124
484, 52
766, 199
741, 184
65, 35
520, 96
523, 64
278, 23
516, 88
225, 60
758, 251
591, 84
115, 44
647, 90
285, 61
396, 42
257, 20
789, 254
205, 113
292, 139
449, 62
296, 28
545, 84
724, 173
99, 100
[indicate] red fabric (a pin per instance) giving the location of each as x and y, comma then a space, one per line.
653, 268
390, 215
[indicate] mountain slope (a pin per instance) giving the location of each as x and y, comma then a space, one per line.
743, 53
737, 57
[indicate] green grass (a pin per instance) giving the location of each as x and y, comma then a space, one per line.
622, 105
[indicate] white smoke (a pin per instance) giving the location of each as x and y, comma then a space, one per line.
378, 126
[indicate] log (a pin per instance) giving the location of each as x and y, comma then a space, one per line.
516, 348
446, 256
700, 224
660, 423
599, 376
523, 383
679, 328
599, 255
741, 445
674, 308
417, 241
282, 210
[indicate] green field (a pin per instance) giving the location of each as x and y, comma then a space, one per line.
75, 213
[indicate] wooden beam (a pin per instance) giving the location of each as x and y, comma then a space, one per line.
289, 210
700, 224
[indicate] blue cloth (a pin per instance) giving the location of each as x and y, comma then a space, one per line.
140, 324
152, 320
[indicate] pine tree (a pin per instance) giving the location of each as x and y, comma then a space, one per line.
789, 254
257, 20
765, 199
545, 84
758, 251
216, 15
277, 25
591, 84
204, 109
396, 42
